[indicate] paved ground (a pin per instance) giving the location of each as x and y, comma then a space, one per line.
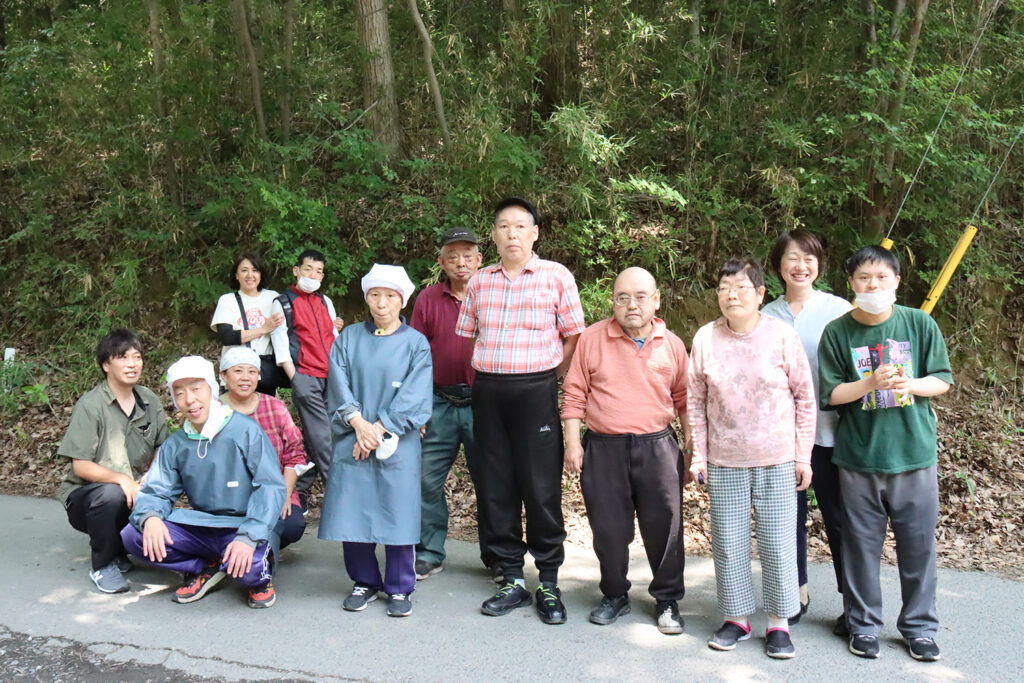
55, 626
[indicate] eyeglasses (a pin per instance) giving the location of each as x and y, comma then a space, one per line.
724, 290
624, 299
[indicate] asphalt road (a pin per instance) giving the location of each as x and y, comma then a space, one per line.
55, 626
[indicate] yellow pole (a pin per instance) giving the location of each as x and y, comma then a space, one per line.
947, 270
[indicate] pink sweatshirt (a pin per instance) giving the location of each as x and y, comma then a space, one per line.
619, 389
751, 400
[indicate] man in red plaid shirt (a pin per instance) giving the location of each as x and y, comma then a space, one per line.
526, 316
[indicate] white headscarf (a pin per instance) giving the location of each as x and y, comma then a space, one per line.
390, 277
193, 367
239, 355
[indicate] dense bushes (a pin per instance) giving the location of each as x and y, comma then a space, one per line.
124, 193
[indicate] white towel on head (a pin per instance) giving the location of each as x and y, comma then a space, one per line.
390, 277
192, 367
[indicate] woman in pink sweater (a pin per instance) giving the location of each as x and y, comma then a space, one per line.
752, 411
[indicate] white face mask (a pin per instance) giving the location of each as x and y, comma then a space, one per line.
308, 284
876, 302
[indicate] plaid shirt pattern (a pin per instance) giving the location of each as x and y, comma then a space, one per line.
273, 416
519, 324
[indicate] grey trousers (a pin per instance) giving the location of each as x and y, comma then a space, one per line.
310, 397
910, 502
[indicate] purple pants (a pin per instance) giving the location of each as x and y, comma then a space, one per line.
195, 547
399, 566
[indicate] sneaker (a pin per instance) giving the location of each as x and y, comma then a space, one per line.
725, 638
361, 596
425, 569
261, 597
778, 645
670, 622
609, 610
549, 604
841, 629
108, 579
509, 597
196, 586
864, 646
124, 564
399, 605
923, 649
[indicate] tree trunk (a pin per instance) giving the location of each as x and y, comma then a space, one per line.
898, 8
286, 89
3, 38
895, 113
428, 58
171, 182
158, 54
240, 22
560, 65
880, 193
694, 20
870, 31
379, 99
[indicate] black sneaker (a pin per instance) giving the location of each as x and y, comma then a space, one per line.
864, 646
399, 605
549, 604
509, 597
670, 622
497, 574
361, 596
924, 649
725, 638
609, 610
841, 629
778, 645
426, 569
124, 564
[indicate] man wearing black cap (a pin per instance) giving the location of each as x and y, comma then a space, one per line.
451, 422
526, 316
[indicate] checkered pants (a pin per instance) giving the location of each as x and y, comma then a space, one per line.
773, 492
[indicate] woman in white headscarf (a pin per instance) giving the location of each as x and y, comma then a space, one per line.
380, 393
240, 373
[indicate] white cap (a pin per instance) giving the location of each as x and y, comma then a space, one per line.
239, 355
389, 277
192, 367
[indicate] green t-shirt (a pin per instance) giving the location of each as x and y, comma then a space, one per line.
102, 433
879, 433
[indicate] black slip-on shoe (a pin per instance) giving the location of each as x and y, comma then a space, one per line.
609, 610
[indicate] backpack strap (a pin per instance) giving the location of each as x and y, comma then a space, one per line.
245, 318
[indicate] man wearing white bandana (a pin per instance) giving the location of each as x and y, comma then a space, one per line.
225, 464
879, 366
302, 346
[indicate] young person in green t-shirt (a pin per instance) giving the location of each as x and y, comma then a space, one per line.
879, 365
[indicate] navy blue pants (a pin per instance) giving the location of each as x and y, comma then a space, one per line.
195, 547
399, 566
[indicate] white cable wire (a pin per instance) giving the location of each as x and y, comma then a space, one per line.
996, 175
931, 141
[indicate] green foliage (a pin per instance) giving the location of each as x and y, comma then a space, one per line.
679, 149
